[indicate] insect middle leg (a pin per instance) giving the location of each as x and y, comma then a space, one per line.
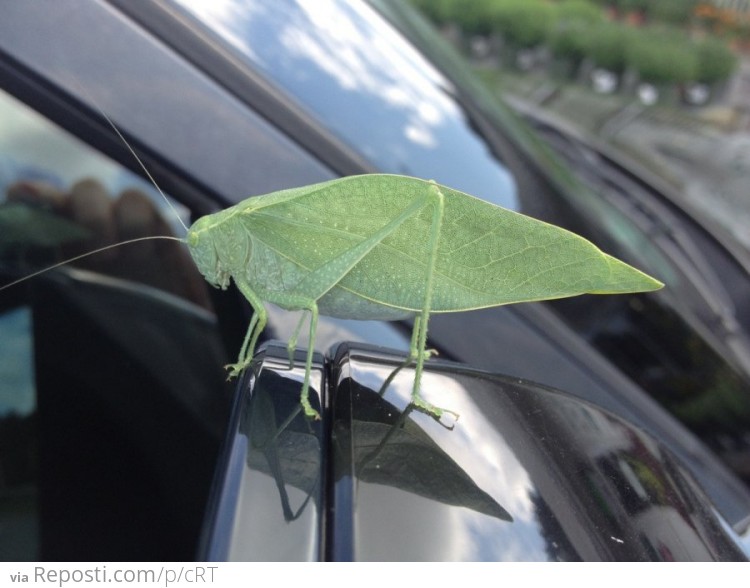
304, 395
304, 303
292, 344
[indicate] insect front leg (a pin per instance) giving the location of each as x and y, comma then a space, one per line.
251, 329
257, 324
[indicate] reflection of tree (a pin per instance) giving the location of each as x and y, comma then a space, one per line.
642, 482
671, 361
620, 481
556, 542
23, 227
41, 225
683, 374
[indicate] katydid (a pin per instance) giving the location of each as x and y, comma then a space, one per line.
387, 247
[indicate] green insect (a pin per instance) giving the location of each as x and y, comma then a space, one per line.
387, 247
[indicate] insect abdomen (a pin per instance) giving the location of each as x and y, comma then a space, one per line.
341, 303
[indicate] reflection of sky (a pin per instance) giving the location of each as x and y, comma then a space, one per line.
16, 364
287, 540
459, 533
32, 148
495, 469
363, 81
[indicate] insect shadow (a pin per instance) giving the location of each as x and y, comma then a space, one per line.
371, 438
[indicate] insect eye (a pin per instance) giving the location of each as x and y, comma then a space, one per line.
193, 239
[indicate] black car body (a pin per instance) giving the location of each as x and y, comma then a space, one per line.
115, 408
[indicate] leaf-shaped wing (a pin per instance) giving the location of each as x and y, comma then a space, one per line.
487, 255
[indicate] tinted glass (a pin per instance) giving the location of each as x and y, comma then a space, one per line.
111, 387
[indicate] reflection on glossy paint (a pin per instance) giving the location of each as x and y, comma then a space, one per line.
424, 525
363, 81
579, 483
391, 449
276, 483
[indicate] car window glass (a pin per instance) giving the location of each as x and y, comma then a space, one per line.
107, 365
32, 149
346, 65
60, 199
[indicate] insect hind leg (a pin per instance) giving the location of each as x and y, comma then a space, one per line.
419, 335
411, 358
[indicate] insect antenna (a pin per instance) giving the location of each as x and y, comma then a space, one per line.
138, 159
87, 254
114, 245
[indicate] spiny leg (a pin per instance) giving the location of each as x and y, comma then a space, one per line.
413, 352
257, 324
413, 344
438, 204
